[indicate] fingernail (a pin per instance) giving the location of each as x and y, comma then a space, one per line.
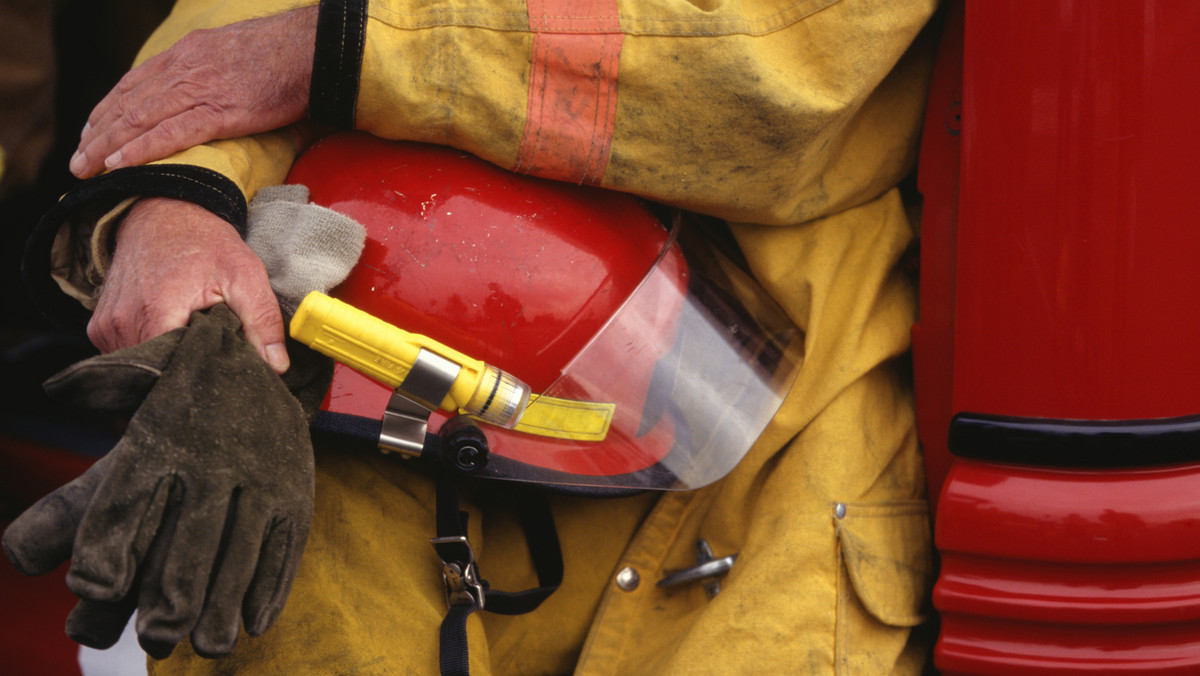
87, 126
113, 160
277, 357
77, 162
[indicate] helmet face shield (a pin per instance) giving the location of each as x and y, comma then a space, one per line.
691, 375
654, 361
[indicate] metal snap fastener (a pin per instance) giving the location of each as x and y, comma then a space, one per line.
628, 579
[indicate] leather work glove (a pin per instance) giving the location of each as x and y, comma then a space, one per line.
198, 516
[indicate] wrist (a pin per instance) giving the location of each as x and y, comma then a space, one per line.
150, 216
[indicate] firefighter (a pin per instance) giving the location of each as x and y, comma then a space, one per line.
792, 123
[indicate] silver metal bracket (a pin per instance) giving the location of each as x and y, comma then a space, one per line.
463, 586
405, 423
430, 379
406, 419
707, 570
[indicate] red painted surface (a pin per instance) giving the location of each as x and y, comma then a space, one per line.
33, 638
1058, 281
1133, 516
33, 610
1077, 246
970, 645
1049, 571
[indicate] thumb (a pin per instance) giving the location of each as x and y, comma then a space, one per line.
262, 322
117, 381
41, 538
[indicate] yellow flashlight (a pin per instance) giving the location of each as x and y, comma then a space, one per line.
414, 364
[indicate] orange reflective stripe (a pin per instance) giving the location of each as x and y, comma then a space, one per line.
572, 89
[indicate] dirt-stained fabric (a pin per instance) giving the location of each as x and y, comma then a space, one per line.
793, 120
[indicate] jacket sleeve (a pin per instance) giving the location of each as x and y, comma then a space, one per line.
764, 111
768, 111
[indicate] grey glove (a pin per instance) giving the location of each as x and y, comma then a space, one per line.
199, 515
305, 247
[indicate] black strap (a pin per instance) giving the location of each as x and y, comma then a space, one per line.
337, 62
454, 642
542, 540
545, 551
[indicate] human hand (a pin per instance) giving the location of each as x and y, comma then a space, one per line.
172, 258
244, 78
198, 517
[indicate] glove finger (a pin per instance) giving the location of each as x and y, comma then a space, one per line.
117, 381
178, 568
278, 562
217, 630
99, 624
41, 538
117, 530
149, 590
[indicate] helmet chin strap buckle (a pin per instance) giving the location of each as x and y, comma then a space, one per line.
461, 575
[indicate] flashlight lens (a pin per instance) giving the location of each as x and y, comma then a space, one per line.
500, 398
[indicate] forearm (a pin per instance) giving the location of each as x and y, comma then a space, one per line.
194, 85
220, 175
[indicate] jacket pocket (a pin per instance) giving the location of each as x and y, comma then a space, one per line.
884, 584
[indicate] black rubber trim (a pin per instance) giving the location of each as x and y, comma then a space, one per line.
344, 428
1076, 443
337, 62
94, 197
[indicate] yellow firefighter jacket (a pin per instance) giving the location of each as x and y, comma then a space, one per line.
793, 120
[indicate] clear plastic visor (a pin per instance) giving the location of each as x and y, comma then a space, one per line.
673, 391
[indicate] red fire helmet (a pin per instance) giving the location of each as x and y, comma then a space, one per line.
654, 361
